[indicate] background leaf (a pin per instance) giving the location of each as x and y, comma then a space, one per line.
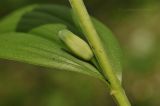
9, 23
111, 46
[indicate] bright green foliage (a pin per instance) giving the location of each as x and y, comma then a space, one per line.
32, 37
36, 50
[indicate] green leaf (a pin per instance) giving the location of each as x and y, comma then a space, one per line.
111, 46
9, 23
43, 22
39, 51
48, 12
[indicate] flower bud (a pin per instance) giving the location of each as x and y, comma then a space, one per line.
77, 46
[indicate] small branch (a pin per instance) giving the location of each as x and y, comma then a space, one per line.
98, 49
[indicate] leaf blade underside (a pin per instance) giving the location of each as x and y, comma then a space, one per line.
44, 22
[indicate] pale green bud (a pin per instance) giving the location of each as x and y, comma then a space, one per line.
77, 46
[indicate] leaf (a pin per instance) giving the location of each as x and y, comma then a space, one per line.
47, 12
110, 43
9, 23
111, 46
36, 50
43, 22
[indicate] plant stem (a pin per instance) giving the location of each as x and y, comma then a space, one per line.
98, 49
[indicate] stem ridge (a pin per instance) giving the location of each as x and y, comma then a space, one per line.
94, 41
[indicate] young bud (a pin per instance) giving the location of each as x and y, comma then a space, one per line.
77, 46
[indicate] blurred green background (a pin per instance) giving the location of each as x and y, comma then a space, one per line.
136, 24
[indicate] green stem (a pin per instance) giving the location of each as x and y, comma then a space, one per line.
98, 49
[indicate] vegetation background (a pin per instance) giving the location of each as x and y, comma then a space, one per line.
135, 23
